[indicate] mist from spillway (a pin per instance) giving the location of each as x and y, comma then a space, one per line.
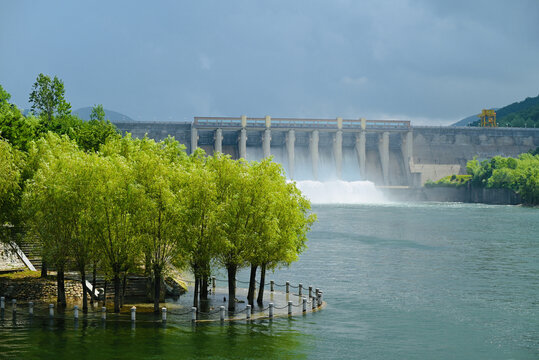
341, 192
329, 189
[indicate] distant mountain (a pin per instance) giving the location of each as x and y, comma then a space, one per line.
466, 121
113, 116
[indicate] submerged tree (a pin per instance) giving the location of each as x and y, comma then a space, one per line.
286, 240
236, 204
199, 215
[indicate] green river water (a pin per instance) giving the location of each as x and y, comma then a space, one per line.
402, 281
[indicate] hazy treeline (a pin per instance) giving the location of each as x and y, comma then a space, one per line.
99, 201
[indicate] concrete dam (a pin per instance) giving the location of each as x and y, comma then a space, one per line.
386, 152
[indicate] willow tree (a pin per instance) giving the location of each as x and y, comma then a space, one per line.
158, 220
199, 218
40, 153
10, 175
293, 220
262, 179
237, 214
279, 222
11, 164
54, 200
114, 202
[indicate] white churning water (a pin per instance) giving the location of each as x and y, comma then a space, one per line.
341, 192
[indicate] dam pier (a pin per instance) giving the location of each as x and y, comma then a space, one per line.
386, 152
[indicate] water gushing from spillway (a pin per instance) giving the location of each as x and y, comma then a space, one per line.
350, 189
341, 192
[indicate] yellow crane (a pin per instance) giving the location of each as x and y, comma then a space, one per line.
488, 118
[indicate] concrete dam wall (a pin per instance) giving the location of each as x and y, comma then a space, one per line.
389, 153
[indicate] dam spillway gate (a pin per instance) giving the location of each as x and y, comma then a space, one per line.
318, 149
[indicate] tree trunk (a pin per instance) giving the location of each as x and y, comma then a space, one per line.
105, 294
204, 288
43, 268
157, 289
61, 300
232, 269
124, 285
94, 275
195, 297
117, 293
252, 285
260, 299
84, 291
147, 265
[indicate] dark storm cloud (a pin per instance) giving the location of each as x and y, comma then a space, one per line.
430, 61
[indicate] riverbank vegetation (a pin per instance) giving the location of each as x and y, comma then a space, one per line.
456, 181
96, 200
519, 174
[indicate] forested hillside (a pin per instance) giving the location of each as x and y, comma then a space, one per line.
519, 114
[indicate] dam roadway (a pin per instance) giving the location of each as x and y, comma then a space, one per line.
387, 152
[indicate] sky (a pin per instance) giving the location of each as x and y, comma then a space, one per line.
431, 62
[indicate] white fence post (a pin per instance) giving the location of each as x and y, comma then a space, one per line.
164, 313
30, 308
304, 301
103, 313
133, 313
51, 310
289, 308
76, 312
193, 314
248, 312
271, 310
222, 313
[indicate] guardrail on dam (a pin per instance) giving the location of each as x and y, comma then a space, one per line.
387, 152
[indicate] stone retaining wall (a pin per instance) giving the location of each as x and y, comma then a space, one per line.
38, 289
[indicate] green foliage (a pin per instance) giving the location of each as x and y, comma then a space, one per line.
54, 197
97, 113
4, 96
54, 116
92, 134
47, 97
14, 127
450, 181
520, 174
11, 165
